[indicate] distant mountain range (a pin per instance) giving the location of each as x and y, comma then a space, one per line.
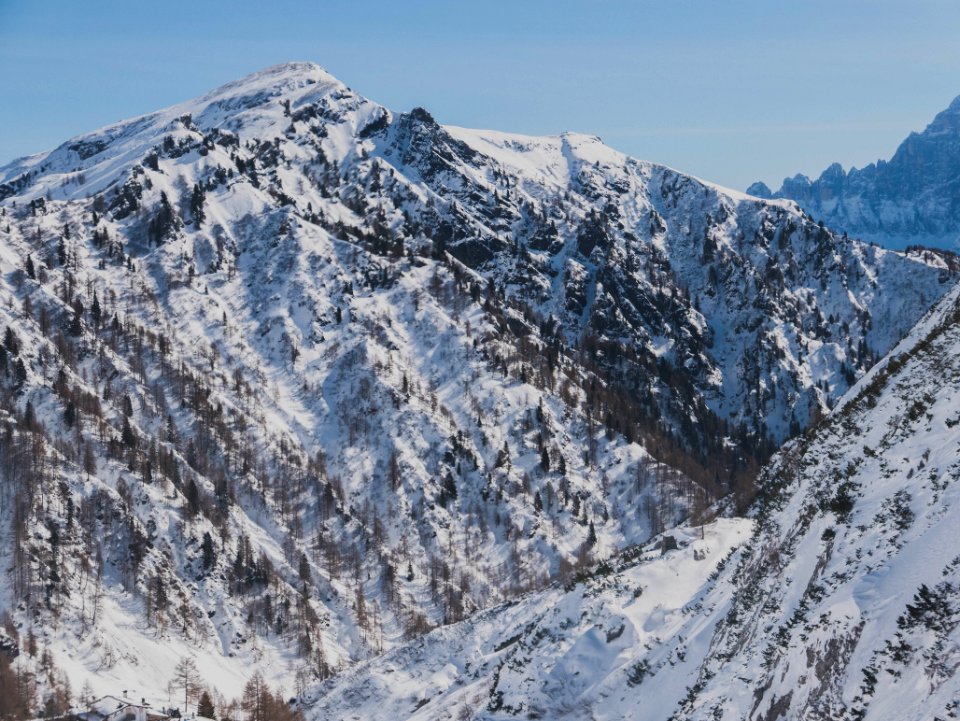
911, 199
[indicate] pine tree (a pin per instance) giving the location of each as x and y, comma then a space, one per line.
205, 706
304, 569
545, 459
29, 417
96, 312
448, 490
193, 498
157, 601
393, 469
209, 551
76, 324
19, 372
11, 342
127, 435
503, 457
197, 199
70, 414
89, 461
163, 223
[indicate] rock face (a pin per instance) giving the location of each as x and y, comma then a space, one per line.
912, 199
288, 378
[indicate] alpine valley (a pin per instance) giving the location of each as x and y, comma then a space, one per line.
415, 421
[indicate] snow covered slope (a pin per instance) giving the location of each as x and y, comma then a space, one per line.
618, 644
844, 603
291, 379
848, 602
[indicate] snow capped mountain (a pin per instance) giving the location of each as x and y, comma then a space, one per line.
268, 445
288, 379
706, 305
911, 199
842, 604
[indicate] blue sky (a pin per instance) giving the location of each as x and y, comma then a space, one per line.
730, 91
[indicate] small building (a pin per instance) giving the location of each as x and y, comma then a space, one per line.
668, 543
114, 708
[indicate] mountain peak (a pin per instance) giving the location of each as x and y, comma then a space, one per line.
760, 190
284, 76
298, 69
256, 102
946, 121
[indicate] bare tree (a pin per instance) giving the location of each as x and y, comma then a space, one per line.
186, 676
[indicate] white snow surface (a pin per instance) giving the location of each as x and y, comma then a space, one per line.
562, 653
